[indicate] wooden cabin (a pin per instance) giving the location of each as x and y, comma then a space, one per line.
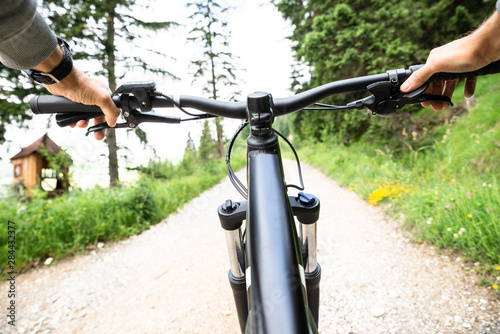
31, 167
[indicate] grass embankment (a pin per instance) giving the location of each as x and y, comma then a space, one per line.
69, 224
448, 192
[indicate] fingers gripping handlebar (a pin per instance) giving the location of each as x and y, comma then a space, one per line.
137, 99
492, 68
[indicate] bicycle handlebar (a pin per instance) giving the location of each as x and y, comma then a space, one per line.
385, 88
51, 104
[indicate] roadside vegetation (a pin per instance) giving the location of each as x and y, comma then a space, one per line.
438, 171
78, 220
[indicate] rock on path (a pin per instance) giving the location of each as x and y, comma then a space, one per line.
173, 278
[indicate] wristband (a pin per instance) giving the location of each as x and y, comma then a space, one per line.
60, 72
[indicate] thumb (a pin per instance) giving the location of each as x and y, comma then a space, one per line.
110, 111
417, 79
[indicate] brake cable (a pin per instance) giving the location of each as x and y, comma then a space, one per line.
301, 187
240, 187
322, 106
175, 103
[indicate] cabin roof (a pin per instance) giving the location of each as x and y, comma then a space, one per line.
37, 146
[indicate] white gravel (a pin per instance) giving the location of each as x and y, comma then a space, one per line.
173, 278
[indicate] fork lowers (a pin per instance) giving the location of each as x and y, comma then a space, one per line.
231, 216
306, 209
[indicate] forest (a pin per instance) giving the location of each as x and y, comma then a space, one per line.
436, 172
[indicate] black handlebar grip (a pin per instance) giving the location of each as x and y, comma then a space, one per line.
492, 68
51, 104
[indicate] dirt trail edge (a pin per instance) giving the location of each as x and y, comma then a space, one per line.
173, 278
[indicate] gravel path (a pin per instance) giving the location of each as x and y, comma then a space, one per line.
173, 278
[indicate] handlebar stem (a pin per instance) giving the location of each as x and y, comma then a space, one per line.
260, 114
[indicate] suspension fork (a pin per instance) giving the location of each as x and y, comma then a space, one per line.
232, 214
306, 209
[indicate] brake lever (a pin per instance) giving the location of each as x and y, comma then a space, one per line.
432, 98
386, 100
103, 126
133, 118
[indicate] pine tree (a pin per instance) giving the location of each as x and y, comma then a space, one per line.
215, 65
96, 28
207, 144
188, 162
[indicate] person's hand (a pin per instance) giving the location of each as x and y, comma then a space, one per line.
454, 57
463, 55
80, 88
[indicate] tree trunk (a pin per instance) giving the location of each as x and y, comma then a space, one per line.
220, 142
110, 66
218, 124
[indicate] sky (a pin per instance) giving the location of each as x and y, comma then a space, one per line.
258, 38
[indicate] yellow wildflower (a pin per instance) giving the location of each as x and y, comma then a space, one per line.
495, 287
469, 215
390, 191
497, 267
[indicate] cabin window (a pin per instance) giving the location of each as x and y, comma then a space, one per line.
17, 170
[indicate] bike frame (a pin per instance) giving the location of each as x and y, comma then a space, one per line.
272, 290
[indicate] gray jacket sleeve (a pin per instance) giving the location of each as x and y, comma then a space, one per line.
25, 38
498, 6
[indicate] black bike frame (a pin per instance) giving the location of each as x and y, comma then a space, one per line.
274, 274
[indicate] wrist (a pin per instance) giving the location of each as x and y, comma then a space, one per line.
488, 43
55, 68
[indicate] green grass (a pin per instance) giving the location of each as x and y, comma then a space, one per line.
448, 190
67, 225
